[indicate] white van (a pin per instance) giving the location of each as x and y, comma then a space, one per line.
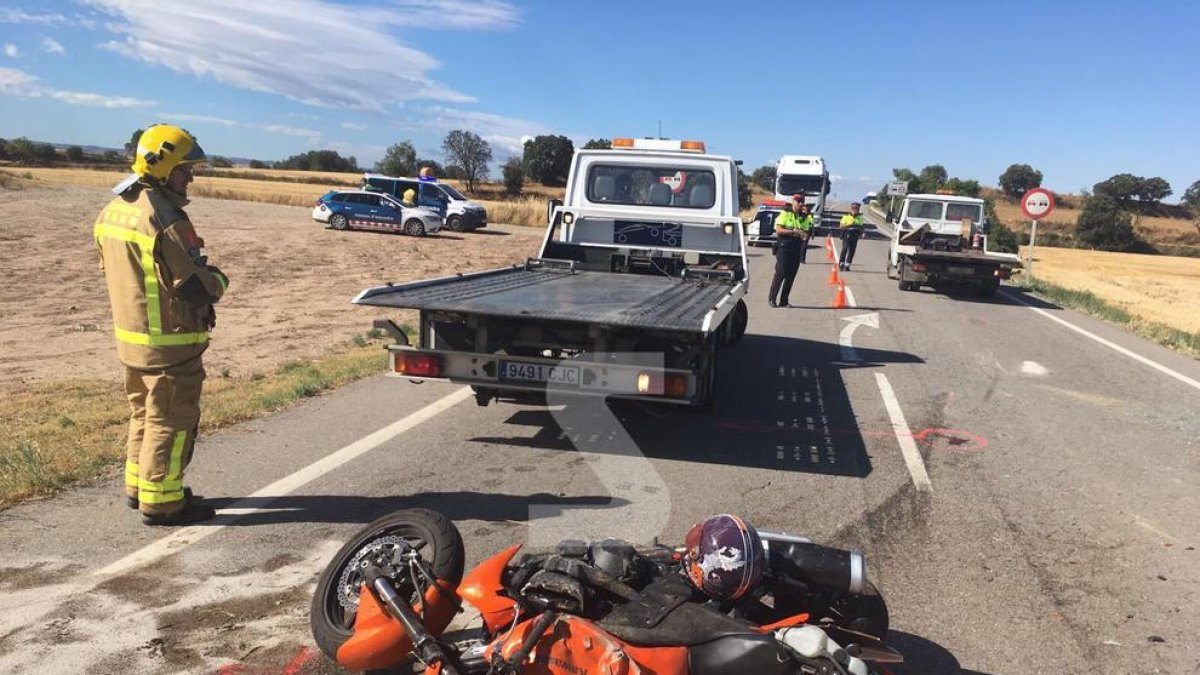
461, 214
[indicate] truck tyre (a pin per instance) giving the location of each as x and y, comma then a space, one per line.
455, 223
892, 272
431, 533
415, 227
338, 221
739, 318
909, 285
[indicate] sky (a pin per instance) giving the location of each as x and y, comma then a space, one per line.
1079, 90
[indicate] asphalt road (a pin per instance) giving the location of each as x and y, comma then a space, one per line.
1026, 494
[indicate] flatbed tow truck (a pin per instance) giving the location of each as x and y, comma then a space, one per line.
637, 286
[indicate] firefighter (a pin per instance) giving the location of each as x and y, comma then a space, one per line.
162, 291
791, 228
851, 227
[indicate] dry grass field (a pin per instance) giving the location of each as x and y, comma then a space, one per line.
1161, 289
1173, 234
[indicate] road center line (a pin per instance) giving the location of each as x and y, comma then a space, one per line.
258, 501
908, 446
1111, 345
850, 298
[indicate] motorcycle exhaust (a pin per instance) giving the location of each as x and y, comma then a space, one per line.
829, 567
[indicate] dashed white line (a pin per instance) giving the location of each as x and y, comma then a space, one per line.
256, 502
850, 298
908, 446
1111, 345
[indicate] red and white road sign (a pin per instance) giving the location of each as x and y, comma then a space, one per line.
1037, 203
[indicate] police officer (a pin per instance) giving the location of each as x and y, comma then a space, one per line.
162, 291
792, 229
851, 227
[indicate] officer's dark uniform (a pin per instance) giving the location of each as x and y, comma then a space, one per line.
789, 255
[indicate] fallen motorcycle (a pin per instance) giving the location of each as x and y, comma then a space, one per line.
731, 600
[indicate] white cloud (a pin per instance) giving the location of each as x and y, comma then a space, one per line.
23, 85
865, 178
11, 51
835, 177
187, 118
354, 126
506, 134
20, 16
285, 130
53, 46
314, 51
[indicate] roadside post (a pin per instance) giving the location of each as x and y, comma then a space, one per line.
896, 188
1036, 204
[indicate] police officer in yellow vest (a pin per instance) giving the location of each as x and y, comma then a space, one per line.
162, 291
851, 227
792, 229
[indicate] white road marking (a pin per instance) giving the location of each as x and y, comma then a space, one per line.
850, 298
1034, 368
1150, 526
846, 337
1195, 384
256, 502
908, 446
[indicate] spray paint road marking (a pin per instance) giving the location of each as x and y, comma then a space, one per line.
256, 502
850, 298
1195, 384
908, 446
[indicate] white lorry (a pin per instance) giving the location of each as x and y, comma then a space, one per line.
637, 286
806, 175
938, 240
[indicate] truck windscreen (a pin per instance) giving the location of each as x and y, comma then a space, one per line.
792, 184
960, 211
641, 185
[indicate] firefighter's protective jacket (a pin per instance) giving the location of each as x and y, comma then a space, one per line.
160, 284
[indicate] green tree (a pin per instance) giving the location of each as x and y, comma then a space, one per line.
906, 175
1123, 188
75, 153
470, 152
745, 195
131, 146
1000, 238
1191, 198
320, 160
1154, 190
598, 144
1104, 225
764, 177
219, 162
962, 187
548, 159
932, 177
112, 156
1018, 179
399, 160
514, 177
257, 164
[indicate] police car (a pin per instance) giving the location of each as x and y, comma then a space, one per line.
761, 230
363, 210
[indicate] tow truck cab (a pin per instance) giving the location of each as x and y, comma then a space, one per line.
649, 206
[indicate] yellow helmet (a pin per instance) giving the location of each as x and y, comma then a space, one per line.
163, 147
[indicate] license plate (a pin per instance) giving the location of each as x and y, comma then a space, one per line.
961, 271
537, 372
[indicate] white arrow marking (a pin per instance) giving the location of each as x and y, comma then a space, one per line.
846, 339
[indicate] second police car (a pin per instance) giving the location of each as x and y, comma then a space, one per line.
360, 209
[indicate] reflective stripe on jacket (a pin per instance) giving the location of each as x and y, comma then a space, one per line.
850, 220
160, 288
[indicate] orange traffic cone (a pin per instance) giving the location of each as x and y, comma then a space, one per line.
839, 300
829, 249
833, 276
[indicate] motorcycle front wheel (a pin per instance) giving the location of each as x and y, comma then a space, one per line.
335, 602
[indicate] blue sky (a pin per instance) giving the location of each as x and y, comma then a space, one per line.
1080, 90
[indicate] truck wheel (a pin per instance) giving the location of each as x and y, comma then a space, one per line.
909, 286
338, 221
455, 223
740, 318
892, 272
415, 227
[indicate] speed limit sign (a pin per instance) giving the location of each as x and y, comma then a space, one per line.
1037, 203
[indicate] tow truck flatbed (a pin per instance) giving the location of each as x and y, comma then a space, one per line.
559, 293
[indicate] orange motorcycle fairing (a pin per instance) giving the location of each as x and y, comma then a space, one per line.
483, 588
576, 646
379, 639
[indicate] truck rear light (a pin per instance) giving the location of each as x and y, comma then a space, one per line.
1004, 273
418, 365
918, 267
671, 385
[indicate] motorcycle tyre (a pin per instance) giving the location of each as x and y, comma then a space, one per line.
444, 552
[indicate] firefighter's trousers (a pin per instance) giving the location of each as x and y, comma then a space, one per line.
164, 406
